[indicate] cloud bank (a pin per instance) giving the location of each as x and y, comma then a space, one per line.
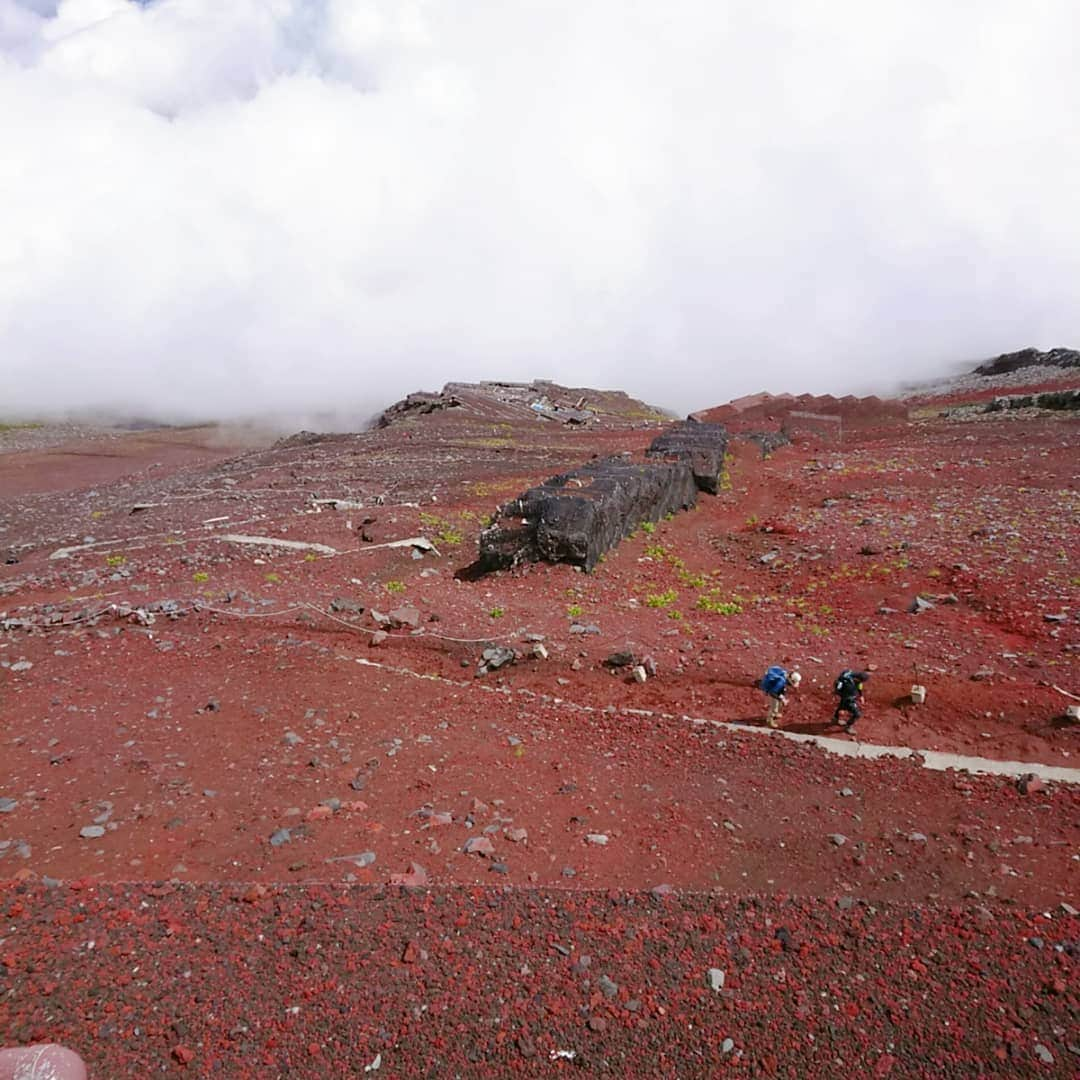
224, 209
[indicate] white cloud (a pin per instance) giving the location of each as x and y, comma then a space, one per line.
220, 209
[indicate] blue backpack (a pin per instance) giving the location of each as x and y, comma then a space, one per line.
774, 681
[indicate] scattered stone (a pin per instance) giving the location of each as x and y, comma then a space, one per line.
1036, 942
499, 868
416, 877
343, 603
92, 832
1058, 618
7, 805
479, 845
279, 837
639, 674
917, 838
839, 839
379, 637
403, 617
1068, 909
496, 657
716, 979
597, 1024
661, 892
845, 903
539, 652
1029, 784
364, 858
21, 665
569, 871
1043, 1054
517, 836
982, 674
291, 739
619, 660
846, 792
919, 605
597, 838
579, 628
608, 988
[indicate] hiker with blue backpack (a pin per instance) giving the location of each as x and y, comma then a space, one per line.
849, 689
774, 683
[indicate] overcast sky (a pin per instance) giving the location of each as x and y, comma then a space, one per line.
223, 207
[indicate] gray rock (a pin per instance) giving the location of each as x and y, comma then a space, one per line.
21, 665
497, 656
716, 979
290, 738
727, 1046
7, 805
404, 617
839, 839
1043, 1054
281, 836
917, 838
608, 988
597, 838
919, 605
92, 832
846, 792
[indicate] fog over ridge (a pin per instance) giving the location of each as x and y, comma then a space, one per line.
222, 210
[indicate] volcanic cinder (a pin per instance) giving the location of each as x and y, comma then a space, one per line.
336, 806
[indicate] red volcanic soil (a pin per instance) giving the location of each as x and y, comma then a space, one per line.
180, 708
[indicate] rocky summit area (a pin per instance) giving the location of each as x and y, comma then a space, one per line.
437, 750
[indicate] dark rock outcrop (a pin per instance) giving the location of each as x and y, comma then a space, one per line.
1051, 399
1014, 361
701, 445
576, 517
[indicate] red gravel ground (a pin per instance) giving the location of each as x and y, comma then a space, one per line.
925, 916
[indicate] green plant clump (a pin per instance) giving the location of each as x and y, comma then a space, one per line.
661, 600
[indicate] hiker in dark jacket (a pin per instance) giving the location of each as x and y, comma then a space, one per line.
849, 689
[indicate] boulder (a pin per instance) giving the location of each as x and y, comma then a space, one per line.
700, 445
576, 517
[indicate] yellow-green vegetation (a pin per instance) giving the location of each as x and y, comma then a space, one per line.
97, 515
273, 578
656, 551
444, 531
573, 611
200, 577
310, 557
496, 613
648, 527
395, 586
692, 581
675, 614
725, 473
661, 600
115, 560
716, 604
22, 425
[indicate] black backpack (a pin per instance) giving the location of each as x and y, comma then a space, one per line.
845, 684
